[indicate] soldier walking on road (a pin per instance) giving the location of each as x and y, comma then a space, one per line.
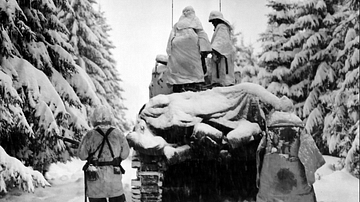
104, 147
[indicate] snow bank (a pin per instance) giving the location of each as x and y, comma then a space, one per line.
335, 185
60, 173
70, 173
13, 169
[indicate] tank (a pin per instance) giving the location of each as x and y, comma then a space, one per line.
158, 83
199, 146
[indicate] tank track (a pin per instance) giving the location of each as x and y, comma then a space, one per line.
149, 178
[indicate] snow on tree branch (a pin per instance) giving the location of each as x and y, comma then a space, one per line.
269, 56
278, 88
10, 110
315, 39
78, 117
94, 68
91, 37
353, 154
300, 58
38, 84
13, 169
352, 78
84, 85
298, 89
11, 7
315, 119
47, 120
60, 38
9, 90
324, 71
311, 101
64, 89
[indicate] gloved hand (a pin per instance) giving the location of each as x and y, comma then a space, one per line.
203, 62
204, 54
216, 56
93, 160
117, 161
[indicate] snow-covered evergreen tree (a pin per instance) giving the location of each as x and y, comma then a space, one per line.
322, 57
12, 169
90, 39
319, 70
46, 90
276, 58
246, 68
342, 124
112, 83
313, 63
34, 50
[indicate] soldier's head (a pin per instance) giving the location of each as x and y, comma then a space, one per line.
216, 17
102, 115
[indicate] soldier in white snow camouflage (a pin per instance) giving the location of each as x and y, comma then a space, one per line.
187, 47
104, 147
223, 52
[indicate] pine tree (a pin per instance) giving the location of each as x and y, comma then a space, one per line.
34, 52
92, 47
320, 74
321, 59
342, 123
275, 60
46, 92
112, 83
84, 43
34, 93
246, 68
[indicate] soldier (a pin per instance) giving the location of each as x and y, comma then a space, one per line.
288, 161
187, 47
223, 52
104, 147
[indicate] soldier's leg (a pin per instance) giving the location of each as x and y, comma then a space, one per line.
118, 199
97, 199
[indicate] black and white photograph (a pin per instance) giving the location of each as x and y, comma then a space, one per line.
179, 101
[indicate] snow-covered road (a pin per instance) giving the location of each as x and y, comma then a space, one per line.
68, 186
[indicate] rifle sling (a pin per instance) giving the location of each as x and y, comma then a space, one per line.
105, 139
226, 67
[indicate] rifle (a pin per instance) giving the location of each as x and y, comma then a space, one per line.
75, 143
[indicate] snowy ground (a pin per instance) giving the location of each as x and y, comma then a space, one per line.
335, 186
68, 186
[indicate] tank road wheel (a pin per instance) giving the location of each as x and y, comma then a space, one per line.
148, 184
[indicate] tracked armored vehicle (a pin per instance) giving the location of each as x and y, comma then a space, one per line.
199, 146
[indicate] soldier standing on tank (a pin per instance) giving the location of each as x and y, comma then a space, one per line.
223, 52
187, 48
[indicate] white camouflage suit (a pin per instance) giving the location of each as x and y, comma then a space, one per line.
108, 184
222, 69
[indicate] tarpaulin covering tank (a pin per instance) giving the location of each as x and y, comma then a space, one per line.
224, 114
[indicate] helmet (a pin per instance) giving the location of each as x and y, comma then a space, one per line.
284, 119
218, 15
102, 115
